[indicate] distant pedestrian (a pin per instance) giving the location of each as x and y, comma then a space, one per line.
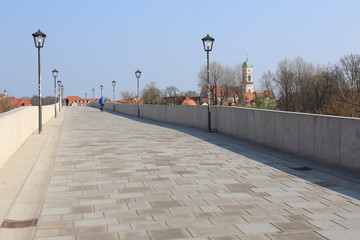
67, 102
102, 103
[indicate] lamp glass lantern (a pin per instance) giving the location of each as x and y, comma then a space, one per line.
55, 73
39, 39
113, 83
208, 43
138, 73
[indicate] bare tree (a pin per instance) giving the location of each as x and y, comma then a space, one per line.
323, 88
44, 100
266, 81
284, 79
151, 94
6, 105
170, 96
303, 73
171, 91
221, 80
214, 78
190, 93
350, 67
239, 87
349, 80
128, 95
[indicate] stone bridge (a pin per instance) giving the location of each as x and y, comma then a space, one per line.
104, 175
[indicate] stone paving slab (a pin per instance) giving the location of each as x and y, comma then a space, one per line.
120, 178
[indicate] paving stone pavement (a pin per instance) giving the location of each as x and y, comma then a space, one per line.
117, 177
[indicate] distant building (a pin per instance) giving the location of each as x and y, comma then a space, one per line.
78, 101
243, 95
2, 96
247, 76
8, 103
193, 100
20, 102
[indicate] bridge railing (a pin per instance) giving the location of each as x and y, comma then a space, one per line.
329, 139
17, 125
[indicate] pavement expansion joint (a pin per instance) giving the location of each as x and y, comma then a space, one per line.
7, 223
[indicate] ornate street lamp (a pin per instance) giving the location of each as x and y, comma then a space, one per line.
39, 39
138, 75
59, 91
208, 45
55, 75
101, 87
113, 83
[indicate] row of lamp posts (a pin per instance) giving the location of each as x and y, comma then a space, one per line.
137, 75
39, 39
57, 99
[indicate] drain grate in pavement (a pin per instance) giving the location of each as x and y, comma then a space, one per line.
18, 223
301, 168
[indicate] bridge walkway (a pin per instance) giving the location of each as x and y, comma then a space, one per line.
100, 175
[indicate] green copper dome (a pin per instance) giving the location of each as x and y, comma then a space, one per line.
247, 63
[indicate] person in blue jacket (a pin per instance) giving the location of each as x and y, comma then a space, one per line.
102, 102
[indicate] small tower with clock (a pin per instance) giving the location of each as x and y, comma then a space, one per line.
247, 76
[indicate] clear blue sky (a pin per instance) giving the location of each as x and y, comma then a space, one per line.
95, 42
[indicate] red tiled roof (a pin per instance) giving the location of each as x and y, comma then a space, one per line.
189, 101
220, 90
78, 101
269, 94
73, 98
19, 102
193, 100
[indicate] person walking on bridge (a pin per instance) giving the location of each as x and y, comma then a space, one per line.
102, 103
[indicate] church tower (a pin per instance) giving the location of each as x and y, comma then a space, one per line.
247, 76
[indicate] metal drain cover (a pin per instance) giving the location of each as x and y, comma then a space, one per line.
7, 223
302, 168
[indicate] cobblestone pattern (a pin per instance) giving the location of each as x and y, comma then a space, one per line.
119, 178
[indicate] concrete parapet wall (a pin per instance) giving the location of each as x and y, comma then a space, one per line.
329, 139
17, 125
191, 116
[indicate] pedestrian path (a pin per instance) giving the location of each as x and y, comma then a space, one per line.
116, 177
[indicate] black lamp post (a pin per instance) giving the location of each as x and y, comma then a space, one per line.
55, 75
93, 90
101, 87
113, 83
59, 91
208, 44
138, 75
39, 39
62, 92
